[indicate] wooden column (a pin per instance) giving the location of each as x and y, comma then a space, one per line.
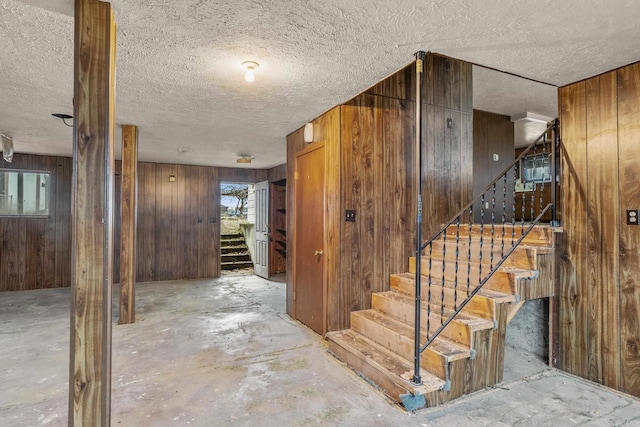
129, 209
92, 215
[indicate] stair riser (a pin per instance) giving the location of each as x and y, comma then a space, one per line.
357, 363
521, 257
233, 249
455, 331
480, 306
234, 242
235, 258
541, 236
399, 344
500, 281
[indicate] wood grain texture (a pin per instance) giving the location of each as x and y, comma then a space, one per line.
309, 279
603, 237
35, 253
492, 134
329, 132
92, 214
574, 322
128, 218
629, 160
374, 159
295, 143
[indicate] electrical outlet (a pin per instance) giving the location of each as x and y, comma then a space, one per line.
486, 205
350, 215
632, 216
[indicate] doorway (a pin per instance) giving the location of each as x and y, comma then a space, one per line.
310, 305
236, 227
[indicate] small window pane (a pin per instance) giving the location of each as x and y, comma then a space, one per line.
24, 193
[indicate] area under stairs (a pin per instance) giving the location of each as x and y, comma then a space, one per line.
468, 355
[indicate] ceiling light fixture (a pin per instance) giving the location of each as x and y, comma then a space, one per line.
244, 159
64, 117
250, 66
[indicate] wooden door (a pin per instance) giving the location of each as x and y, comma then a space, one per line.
309, 199
261, 261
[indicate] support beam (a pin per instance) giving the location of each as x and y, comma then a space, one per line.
129, 210
92, 215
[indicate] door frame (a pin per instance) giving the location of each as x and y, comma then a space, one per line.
310, 149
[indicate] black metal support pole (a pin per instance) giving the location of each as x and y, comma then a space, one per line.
419, 72
554, 176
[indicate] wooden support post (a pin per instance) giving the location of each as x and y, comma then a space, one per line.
128, 224
92, 215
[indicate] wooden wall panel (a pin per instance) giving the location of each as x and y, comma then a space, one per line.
327, 129
177, 234
629, 141
602, 214
599, 291
447, 127
295, 143
492, 134
574, 322
35, 252
377, 179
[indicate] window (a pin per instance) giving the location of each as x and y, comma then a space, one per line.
24, 193
536, 168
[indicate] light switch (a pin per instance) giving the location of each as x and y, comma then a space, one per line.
496, 157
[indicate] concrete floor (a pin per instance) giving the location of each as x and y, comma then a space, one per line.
222, 352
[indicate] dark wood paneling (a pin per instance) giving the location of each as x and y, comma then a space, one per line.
574, 323
375, 159
295, 143
599, 293
238, 175
277, 173
492, 134
329, 132
399, 85
602, 221
177, 234
629, 141
178, 222
35, 252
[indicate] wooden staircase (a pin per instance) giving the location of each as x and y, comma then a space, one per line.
468, 355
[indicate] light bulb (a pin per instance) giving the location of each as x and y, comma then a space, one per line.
250, 66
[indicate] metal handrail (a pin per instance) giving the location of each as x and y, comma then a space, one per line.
503, 256
488, 187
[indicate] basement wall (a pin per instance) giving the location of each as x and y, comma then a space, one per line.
371, 154
178, 224
599, 262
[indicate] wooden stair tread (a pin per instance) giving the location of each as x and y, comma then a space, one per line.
520, 273
475, 322
371, 360
541, 233
449, 350
496, 295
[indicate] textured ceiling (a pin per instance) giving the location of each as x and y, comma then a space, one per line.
179, 76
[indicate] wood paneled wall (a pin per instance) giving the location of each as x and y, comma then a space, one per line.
373, 160
492, 134
178, 224
600, 263
35, 253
